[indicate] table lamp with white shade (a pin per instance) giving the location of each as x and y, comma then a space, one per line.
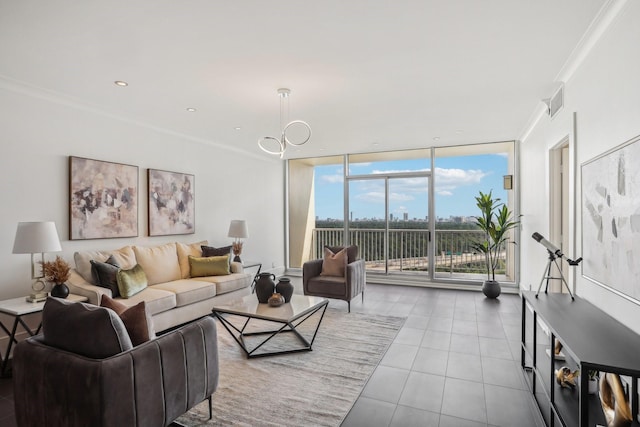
238, 229
36, 238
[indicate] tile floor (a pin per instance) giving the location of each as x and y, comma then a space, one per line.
455, 363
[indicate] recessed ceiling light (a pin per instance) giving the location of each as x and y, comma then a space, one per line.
375, 144
436, 138
191, 110
237, 128
121, 83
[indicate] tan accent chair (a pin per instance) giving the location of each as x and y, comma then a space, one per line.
345, 288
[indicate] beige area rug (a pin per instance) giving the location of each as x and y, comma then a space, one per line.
315, 388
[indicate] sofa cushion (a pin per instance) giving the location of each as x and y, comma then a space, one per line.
83, 329
160, 263
105, 274
334, 264
209, 266
228, 283
124, 257
184, 250
157, 300
132, 281
188, 291
136, 320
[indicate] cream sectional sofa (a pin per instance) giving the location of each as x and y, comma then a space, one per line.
172, 297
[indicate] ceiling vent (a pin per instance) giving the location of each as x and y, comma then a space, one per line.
556, 102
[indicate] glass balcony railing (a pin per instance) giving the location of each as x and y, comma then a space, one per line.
454, 255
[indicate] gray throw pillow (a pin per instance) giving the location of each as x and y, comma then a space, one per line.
208, 251
105, 274
84, 329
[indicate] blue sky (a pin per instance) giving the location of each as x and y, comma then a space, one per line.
457, 181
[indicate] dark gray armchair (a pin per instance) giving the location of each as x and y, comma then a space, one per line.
145, 386
345, 288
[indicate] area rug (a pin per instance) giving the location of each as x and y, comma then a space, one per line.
315, 388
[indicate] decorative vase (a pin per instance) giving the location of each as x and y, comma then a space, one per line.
491, 288
285, 288
60, 290
265, 287
276, 300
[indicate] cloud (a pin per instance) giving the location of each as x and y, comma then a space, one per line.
333, 179
378, 197
444, 193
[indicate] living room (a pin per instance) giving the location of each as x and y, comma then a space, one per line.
62, 101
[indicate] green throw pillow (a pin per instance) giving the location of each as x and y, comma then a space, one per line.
209, 266
130, 282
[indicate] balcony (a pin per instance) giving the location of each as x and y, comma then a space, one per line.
454, 256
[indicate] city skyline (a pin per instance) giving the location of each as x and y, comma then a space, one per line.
458, 181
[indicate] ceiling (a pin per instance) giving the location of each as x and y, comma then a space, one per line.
367, 75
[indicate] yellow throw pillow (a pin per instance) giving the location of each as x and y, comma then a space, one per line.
209, 266
334, 264
130, 282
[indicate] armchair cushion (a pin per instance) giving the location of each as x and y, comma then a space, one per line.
103, 333
334, 263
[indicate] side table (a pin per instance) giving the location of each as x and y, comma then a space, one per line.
251, 264
17, 308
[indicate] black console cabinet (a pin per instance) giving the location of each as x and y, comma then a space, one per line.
591, 339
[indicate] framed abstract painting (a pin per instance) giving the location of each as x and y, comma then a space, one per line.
611, 220
103, 199
171, 203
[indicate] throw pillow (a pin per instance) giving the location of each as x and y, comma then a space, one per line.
130, 282
83, 329
105, 274
209, 266
184, 250
334, 264
208, 251
135, 319
352, 252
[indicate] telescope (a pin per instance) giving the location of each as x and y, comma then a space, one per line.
554, 253
554, 249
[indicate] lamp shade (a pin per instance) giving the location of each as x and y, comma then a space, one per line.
238, 229
36, 237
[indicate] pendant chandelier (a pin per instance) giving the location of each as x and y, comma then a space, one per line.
277, 146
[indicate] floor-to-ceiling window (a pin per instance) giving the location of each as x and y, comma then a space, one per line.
410, 212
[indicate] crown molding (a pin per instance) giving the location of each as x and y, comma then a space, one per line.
23, 88
599, 25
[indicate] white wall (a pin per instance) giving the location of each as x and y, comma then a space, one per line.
38, 132
604, 92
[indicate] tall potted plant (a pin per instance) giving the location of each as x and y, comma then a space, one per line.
495, 221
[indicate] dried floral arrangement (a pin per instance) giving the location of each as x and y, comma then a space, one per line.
56, 271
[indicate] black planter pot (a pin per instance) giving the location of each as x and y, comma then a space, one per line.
491, 288
60, 290
285, 288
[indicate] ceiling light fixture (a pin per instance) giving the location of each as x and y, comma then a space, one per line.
121, 83
191, 110
272, 145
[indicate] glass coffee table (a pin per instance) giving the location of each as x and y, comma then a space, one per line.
253, 319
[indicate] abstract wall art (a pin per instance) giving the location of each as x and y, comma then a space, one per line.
103, 199
171, 203
611, 220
